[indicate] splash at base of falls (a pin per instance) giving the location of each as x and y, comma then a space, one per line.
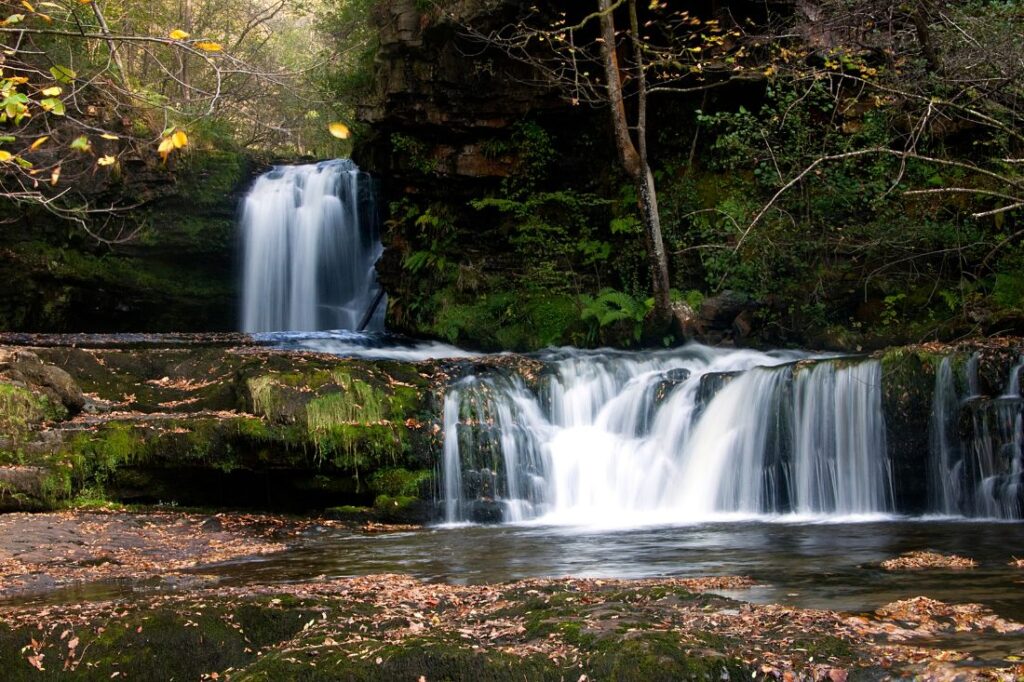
310, 243
668, 437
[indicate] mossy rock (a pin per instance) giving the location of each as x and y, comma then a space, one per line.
163, 643
908, 382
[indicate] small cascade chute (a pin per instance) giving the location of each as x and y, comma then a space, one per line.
310, 242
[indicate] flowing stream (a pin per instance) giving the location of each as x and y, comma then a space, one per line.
310, 242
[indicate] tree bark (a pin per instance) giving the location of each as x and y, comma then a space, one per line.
634, 160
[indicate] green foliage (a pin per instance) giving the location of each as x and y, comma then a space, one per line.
1009, 290
414, 152
611, 307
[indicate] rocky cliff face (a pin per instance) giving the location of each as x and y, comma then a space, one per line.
456, 95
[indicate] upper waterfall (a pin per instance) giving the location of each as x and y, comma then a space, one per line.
310, 240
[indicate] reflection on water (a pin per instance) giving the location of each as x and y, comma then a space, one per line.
816, 565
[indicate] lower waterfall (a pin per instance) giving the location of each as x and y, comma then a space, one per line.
667, 437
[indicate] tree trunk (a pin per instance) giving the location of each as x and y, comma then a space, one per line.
634, 160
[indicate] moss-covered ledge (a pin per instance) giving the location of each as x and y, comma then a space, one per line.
236, 426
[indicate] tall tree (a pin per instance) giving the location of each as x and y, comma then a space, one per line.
612, 58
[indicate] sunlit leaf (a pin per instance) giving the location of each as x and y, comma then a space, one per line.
63, 74
178, 34
166, 147
209, 47
55, 175
52, 92
13, 19
106, 161
109, 136
28, 5
5, 155
81, 144
179, 139
40, 141
52, 105
339, 130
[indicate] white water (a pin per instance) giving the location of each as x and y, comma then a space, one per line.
368, 346
976, 466
671, 437
945, 467
310, 243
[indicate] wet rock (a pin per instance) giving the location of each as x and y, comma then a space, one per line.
720, 311
669, 382
710, 384
29, 368
485, 511
743, 325
212, 525
21, 488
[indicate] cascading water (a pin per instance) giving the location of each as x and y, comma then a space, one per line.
672, 437
310, 242
976, 463
945, 467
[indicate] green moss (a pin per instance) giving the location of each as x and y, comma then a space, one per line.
119, 272
400, 482
21, 409
357, 402
825, 647
401, 509
262, 391
436, 658
185, 642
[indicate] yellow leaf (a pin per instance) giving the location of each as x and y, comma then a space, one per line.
179, 138
178, 34
85, 2
339, 130
105, 160
28, 5
45, 17
55, 175
52, 92
5, 156
166, 147
108, 136
39, 142
209, 47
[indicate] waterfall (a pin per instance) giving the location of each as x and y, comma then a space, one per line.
667, 437
310, 242
839, 462
976, 459
945, 466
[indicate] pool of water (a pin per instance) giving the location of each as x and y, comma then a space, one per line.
814, 565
